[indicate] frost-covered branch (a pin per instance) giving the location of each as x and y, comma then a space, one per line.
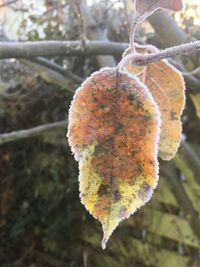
35, 131
183, 49
53, 48
139, 59
59, 48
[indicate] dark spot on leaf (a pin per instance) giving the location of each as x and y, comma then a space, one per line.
133, 153
132, 97
99, 149
139, 104
138, 169
117, 195
103, 190
109, 141
147, 116
119, 126
102, 106
173, 115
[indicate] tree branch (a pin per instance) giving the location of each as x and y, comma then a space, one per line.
31, 50
52, 48
35, 131
62, 48
49, 75
193, 72
56, 67
93, 32
139, 59
184, 49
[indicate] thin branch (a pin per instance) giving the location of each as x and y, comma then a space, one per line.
140, 59
62, 48
56, 67
193, 72
184, 49
30, 50
49, 75
35, 131
52, 48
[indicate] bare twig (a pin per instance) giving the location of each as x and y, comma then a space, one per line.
166, 53
56, 67
193, 72
49, 75
183, 49
23, 134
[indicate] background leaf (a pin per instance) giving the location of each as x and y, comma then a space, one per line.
168, 89
114, 130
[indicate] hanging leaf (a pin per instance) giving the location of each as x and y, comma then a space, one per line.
113, 131
145, 8
168, 89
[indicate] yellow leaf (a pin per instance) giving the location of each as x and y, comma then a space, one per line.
168, 89
113, 131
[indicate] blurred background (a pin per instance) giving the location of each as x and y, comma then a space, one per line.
42, 222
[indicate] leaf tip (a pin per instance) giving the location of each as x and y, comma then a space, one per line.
108, 226
106, 236
103, 244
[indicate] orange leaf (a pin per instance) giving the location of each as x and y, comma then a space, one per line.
113, 131
168, 89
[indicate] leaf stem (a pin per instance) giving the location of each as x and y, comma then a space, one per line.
132, 36
133, 57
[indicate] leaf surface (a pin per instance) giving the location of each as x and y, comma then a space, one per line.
113, 131
145, 8
168, 89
